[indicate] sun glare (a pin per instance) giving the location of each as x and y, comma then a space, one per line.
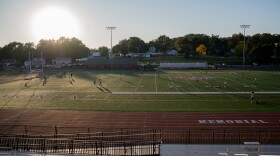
52, 23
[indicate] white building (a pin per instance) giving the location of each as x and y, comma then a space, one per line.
94, 54
27, 64
152, 49
61, 61
172, 52
81, 60
38, 61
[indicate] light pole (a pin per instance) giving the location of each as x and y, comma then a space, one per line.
275, 49
111, 28
244, 27
42, 64
29, 62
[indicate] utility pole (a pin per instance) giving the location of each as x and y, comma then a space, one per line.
42, 64
29, 62
244, 27
111, 28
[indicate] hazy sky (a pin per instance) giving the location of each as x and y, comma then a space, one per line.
147, 19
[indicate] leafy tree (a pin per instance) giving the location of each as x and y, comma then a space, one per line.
217, 46
123, 47
277, 50
78, 49
239, 48
267, 38
163, 43
179, 45
63, 47
14, 50
201, 49
116, 49
234, 40
261, 53
182, 45
48, 48
104, 51
136, 45
28, 49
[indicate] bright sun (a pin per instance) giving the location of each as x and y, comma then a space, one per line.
52, 23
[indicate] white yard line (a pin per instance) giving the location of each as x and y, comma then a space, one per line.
131, 95
191, 83
220, 91
138, 83
118, 87
113, 91
172, 83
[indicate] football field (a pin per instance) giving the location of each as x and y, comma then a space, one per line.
171, 91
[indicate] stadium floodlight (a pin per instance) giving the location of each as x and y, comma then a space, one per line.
111, 28
244, 27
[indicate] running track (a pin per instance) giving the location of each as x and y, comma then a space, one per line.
137, 120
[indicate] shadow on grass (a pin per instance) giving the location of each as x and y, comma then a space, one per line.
107, 89
266, 104
100, 89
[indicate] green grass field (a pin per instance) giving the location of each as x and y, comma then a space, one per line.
134, 91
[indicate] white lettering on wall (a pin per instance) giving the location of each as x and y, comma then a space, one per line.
232, 122
202, 121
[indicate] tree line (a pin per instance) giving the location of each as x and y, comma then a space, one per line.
260, 48
49, 49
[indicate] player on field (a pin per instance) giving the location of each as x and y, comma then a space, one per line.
252, 97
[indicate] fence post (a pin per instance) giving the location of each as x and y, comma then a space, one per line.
259, 135
266, 136
224, 136
239, 137
121, 134
55, 128
160, 136
25, 130
189, 136
101, 152
17, 140
131, 149
213, 136
72, 146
